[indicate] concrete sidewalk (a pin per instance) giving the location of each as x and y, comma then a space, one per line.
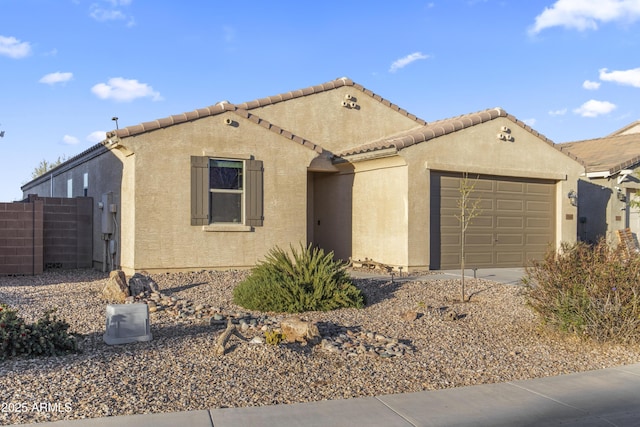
607, 397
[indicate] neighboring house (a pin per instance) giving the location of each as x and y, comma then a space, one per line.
609, 184
334, 165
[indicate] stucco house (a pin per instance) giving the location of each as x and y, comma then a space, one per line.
610, 182
334, 165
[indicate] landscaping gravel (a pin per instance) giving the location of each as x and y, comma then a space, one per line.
495, 338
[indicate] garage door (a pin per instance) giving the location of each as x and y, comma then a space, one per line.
516, 223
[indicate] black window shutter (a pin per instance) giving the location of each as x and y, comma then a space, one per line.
254, 196
199, 190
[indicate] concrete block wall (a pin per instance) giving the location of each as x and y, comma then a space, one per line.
21, 238
46, 232
68, 234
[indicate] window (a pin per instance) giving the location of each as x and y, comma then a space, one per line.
70, 188
85, 184
226, 191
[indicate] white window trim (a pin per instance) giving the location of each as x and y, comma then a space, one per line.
226, 227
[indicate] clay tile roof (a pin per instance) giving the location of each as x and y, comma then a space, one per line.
171, 120
207, 112
440, 128
226, 106
277, 130
429, 131
334, 84
609, 154
628, 129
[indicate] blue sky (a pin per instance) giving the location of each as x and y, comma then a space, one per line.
568, 68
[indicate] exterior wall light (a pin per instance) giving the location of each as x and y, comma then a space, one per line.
573, 198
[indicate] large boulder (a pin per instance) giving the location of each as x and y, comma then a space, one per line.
116, 289
298, 330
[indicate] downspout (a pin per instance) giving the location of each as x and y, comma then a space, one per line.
51, 190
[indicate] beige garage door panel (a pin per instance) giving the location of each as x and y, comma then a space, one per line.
516, 224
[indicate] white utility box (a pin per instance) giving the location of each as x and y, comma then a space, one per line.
127, 323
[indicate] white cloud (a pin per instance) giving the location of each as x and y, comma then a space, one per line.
120, 89
561, 112
57, 77
586, 14
14, 48
626, 77
97, 136
593, 108
112, 12
70, 140
589, 85
403, 62
530, 122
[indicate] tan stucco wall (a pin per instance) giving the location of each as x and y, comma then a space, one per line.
322, 119
381, 211
332, 211
127, 211
159, 230
361, 212
477, 150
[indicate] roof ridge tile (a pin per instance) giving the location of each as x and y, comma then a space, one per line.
254, 118
330, 85
439, 128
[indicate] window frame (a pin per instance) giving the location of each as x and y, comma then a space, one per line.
241, 191
252, 198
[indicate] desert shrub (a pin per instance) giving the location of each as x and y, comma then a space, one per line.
590, 291
274, 337
46, 337
304, 280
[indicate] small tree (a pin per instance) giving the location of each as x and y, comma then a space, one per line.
469, 209
44, 166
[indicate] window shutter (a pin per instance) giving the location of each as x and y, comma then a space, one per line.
199, 190
254, 193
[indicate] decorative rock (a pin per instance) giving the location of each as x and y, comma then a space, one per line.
298, 330
410, 315
257, 340
451, 315
139, 284
116, 288
152, 306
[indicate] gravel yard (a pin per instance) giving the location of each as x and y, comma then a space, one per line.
494, 340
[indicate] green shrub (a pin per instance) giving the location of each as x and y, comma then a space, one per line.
590, 291
47, 337
306, 280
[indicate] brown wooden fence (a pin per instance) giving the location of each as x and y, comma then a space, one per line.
45, 232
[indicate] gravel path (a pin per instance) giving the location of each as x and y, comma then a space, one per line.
495, 340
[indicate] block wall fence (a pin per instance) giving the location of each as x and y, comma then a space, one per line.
45, 232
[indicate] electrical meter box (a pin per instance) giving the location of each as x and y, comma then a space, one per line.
106, 216
127, 323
